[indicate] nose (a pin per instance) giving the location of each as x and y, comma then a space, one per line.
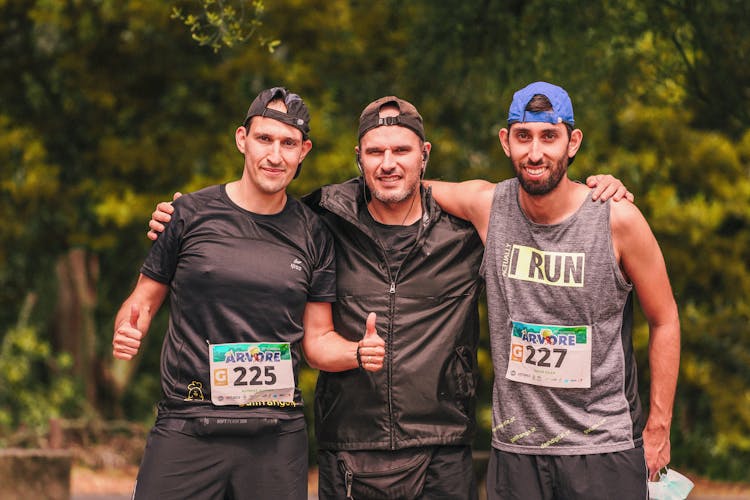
535, 151
274, 155
388, 159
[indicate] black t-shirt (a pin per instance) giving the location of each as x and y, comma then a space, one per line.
397, 240
234, 276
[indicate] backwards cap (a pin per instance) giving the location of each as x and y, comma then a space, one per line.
296, 112
562, 108
408, 116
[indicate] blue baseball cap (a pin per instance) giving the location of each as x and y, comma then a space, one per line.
562, 108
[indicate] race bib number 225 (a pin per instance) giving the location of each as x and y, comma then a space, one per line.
245, 372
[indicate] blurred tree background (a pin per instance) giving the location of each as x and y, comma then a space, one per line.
108, 106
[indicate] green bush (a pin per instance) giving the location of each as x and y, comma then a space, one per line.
37, 384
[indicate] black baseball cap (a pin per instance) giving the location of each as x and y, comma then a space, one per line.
408, 116
296, 112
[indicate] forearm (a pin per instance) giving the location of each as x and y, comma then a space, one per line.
326, 350
664, 365
330, 352
664, 361
133, 319
146, 314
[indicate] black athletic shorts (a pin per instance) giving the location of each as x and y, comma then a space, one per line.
427, 473
622, 475
218, 459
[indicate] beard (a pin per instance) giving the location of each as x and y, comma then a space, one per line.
545, 185
393, 197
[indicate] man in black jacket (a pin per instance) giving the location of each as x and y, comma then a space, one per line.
407, 430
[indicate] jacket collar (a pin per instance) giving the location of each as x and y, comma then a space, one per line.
348, 198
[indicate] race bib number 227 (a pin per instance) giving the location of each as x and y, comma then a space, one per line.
550, 355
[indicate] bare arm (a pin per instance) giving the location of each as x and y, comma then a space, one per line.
469, 200
327, 350
472, 200
642, 261
134, 317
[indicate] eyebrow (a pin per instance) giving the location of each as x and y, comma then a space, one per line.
263, 133
383, 148
526, 129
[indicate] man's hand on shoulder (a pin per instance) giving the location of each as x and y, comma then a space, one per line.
606, 186
161, 216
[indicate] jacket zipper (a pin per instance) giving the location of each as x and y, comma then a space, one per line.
348, 480
391, 314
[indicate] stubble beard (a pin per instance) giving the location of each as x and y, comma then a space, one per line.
394, 197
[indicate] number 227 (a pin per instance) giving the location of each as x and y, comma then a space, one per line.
545, 354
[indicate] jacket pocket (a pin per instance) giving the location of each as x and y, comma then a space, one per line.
459, 380
466, 373
374, 477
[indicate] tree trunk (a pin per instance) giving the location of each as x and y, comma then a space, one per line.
75, 326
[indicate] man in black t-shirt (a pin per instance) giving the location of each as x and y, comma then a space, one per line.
250, 273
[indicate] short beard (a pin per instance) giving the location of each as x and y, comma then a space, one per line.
541, 188
392, 198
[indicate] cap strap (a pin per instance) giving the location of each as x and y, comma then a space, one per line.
389, 120
283, 117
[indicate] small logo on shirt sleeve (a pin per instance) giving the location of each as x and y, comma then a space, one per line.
296, 265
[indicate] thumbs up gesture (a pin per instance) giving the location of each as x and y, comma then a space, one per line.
127, 338
371, 349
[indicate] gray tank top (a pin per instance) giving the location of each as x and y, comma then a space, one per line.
565, 377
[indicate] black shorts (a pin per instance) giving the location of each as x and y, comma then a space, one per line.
241, 458
425, 473
622, 475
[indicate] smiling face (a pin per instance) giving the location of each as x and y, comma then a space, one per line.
540, 153
272, 150
392, 160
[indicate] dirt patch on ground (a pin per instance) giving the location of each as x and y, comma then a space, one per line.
86, 481
706, 488
119, 481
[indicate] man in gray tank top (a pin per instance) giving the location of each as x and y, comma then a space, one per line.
559, 272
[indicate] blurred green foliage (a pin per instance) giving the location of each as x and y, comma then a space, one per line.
37, 383
223, 23
108, 106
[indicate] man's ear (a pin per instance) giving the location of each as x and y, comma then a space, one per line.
240, 137
306, 147
574, 144
503, 135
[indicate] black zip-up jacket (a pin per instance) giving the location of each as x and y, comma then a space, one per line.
426, 313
